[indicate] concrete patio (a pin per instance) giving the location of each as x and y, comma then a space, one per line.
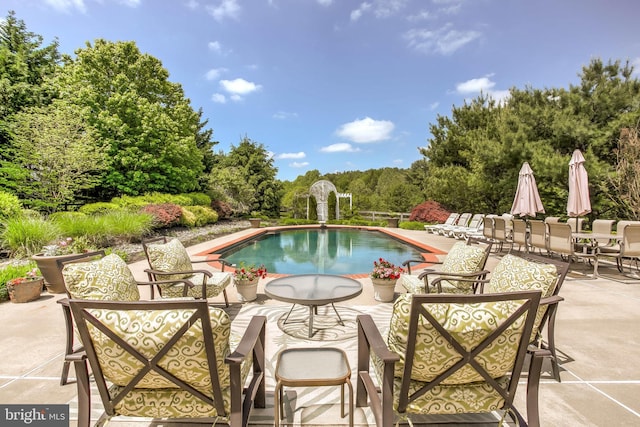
597, 335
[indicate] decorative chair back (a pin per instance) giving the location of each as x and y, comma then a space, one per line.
165, 359
441, 356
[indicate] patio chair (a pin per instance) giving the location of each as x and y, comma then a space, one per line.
465, 259
168, 359
168, 259
474, 226
451, 220
560, 241
576, 224
95, 276
449, 355
603, 226
551, 219
538, 235
520, 235
502, 232
462, 221
627, 248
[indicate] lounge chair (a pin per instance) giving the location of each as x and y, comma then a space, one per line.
462, 221
560, 241
627, 248
433, 228
474, 226
450, 355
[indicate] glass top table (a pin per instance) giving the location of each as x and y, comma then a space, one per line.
313, 290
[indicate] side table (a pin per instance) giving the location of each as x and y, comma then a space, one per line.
312, 367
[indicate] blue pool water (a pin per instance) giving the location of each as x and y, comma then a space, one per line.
324, 251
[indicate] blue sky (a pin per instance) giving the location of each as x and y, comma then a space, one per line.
338, 85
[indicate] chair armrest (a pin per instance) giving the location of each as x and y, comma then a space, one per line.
553, 299
476, 277
250, 339
152, 283
368, 330
170, 273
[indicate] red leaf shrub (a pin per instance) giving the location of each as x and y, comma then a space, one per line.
223, 208
165, 214
429, 211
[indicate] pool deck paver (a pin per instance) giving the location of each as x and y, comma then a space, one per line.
597, 336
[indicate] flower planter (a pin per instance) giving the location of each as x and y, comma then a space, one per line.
384, 289
255, 222
26, 291
48, 266
247, 289
392, 222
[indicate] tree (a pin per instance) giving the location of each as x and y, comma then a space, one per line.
55, 148
626, 182
254, 165
144, 121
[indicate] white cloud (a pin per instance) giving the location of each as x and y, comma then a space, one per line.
380, 8
421, 16
67, 5
299, 164
131, 3
214, 73
215, 46
342, 147
283, 115
219, 98
325, 2
226, 9
444, 40
434, 105
193, 4
397, 161
299, 155
475, 85
484, 85
366, 130
239, 87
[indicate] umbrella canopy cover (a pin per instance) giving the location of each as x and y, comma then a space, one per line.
527, 201
579, 202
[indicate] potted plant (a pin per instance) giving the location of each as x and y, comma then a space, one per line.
26, 288
384, 277
47, 262
246, 279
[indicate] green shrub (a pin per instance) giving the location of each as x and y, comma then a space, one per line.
98, 208
198, 199
13, 271
10, 205
297, 221
412, 225
203, 215
188, 218
125, 225
24, 236
130, 202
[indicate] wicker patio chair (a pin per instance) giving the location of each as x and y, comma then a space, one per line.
449, 355
168, 359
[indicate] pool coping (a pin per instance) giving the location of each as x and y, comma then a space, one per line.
430, 257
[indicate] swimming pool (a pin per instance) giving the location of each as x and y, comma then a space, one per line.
342, 251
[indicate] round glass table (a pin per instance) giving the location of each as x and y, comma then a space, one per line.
313, 290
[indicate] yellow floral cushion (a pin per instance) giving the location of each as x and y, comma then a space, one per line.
514, 274
215, 284
169, 257
108, 278
462, 258
148, 332
468, 324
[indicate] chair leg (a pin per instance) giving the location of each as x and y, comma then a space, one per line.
533, 385
84, 393
226, 299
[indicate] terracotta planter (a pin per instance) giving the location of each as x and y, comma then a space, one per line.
247, 289
255, 222
384, 289
25, 291
392, 222
51, 272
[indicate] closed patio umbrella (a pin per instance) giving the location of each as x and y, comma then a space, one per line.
527, 201
579, 202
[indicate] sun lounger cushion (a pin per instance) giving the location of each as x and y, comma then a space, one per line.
107, 278
465, 390
147, 332
517, 274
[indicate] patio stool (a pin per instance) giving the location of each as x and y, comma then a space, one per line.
312, 367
